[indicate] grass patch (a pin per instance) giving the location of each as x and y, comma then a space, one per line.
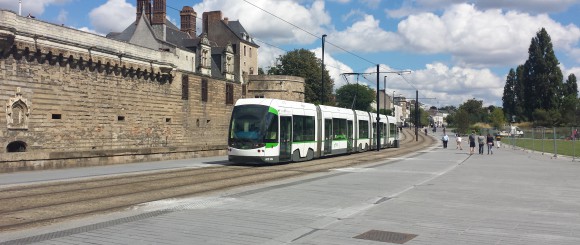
563, 147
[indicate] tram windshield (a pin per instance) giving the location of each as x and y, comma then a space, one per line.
252, 126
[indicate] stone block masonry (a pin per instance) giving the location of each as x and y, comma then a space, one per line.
67, 107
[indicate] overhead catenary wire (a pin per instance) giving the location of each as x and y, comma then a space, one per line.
296, 26
316, 36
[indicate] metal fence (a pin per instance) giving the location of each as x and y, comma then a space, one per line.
556, 141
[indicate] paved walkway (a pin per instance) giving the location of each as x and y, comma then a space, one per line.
436, 196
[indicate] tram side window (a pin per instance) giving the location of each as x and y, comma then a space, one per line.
339, 129
303, 128
393, 129
363, 129
272, 133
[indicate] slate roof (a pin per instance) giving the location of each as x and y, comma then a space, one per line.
237, 28
173, 34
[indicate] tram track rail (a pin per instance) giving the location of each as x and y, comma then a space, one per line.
38, 204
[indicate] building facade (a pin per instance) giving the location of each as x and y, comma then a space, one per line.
74, 98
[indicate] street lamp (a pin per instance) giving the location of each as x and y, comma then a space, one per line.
322, 95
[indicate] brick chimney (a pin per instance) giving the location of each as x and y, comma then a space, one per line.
188, 20
159, 12
210, 19
144, 5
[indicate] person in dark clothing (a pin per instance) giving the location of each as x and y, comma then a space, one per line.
481, 141
489, 144
472, 143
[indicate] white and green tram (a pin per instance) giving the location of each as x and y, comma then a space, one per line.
272, 131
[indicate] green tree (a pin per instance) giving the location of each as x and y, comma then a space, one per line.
571, 86
569, 107
462, 121
303, 63
542, 77
355, 96
474, 110
546, 118
497, 118
387, 112
509, 93
423, 116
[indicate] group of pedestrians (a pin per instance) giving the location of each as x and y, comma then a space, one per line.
481, 140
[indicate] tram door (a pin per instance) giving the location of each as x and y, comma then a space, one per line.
327, 136
349, 137
285, 138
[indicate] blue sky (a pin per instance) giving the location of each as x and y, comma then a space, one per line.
456, 49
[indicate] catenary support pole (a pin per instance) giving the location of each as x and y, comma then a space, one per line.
322, 78
416, 115
378, 109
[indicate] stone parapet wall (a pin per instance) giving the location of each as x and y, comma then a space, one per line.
276, 86
47, 37
27, 161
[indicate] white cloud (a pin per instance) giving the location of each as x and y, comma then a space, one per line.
478, 38
87, 29
259, 23
35, 7
410, 7
474, 38
113, 16
441, 85
365, 35
62, 16
334, 67
268, 55
371, 3
574, 70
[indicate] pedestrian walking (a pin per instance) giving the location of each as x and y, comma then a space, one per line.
458, 141
445, 139
481, 142
498, 141
425, 131
489, 144
472, 143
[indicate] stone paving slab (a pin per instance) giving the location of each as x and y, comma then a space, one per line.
443, 196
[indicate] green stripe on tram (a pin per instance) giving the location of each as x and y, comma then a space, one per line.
303, 142
271, 145
273, 111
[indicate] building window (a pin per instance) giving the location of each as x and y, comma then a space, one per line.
120, 118
259, 96
56, 116
244, 50
204, 90
250, 52
185, 87
229, 94
244, 90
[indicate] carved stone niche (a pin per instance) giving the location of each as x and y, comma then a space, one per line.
17, 112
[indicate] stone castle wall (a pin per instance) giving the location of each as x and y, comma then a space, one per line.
276, 86
76, 104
